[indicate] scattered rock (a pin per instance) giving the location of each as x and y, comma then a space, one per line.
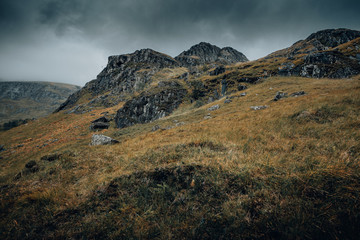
99, 126
180, 124
100, 123
98, 139
303, 115
213, 108
258, 107
51, 157
279, 95
241, 87
184, 76
155, 128
249, 79
207, 116
31, 167
30, 164
227, 101
101, 119
296, 94
216, 95
217, 71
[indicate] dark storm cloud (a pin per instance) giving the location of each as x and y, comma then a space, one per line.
77, 35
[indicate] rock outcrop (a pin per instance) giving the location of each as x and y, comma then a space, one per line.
150, 106
330, 38
100, 124
123, 74
217, 71
329, 53
204, 53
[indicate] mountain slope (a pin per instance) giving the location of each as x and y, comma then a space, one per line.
26, 100
237, 151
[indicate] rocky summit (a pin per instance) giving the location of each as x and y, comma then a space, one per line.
204, 53
123, 74
331, 38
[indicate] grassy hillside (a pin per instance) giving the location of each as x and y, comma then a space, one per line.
290, 171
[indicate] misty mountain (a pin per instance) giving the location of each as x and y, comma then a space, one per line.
27, 100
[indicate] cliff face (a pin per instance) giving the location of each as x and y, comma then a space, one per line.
150, 106
24, 100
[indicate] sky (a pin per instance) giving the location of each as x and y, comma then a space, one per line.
70, 40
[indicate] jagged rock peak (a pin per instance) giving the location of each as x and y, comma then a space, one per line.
334, 37
203, 53
147, 56
123, 75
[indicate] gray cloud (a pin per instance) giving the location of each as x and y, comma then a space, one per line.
69, 40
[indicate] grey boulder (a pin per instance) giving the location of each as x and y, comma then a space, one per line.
98, 139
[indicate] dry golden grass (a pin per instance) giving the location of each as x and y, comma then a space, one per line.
273, 142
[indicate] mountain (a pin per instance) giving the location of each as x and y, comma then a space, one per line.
130, 73
205, 53
123, 75
332, 53
192, 147
27, 100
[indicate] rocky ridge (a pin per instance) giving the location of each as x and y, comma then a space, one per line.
206, 71
129, 73
322, 54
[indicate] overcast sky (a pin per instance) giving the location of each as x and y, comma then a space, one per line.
70, 40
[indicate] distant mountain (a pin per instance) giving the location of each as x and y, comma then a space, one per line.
204, 53
26, 100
